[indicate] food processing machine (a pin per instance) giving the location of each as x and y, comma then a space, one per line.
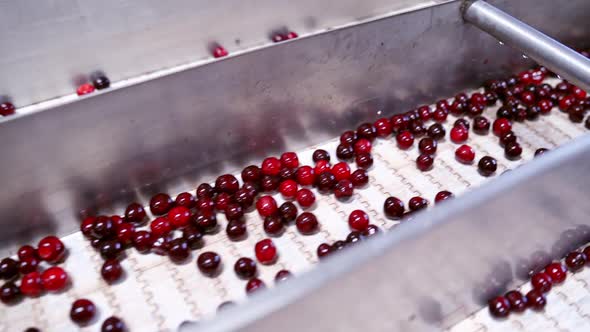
176, 117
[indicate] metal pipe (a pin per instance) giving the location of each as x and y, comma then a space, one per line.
545, 50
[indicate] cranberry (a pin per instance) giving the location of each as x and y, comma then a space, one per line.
501, 126
399, 122
556, 271
209, 263
54, 279
288, 212
528, 98
8, 268
236, 230
459, 134
575, 261
113, 324
227, 183
305, 198
269, 183
326, 182
305, 176
341, 171
487, 165
160, 227
578, 93
244, 197
205, 204
135, 213
442, 196
323, 250
424, 162
322, 166
542, 281
461, 123
86, 226
394, 207
540, 151
288, 188
507, 138
111, 271
251, 174
359, 178
576, 113
383, 127
499, 307
84, 89
533, 112
566, 102
358, 220
204, 190
371, 231
82, 311
193, 237
417, 128
348, 137
28, 264
30, 284
321, 155
307, 223
234, 211
405, 139
417, 203
513, 150
117, 220
289, 160
436, 131
104, 228
178, 250
354, 237
366, 131
364, 160
206, 222
363, 145
457, 108
142, 241
273, 225
283, 275
96, 243
265, 251
344, 152
440, 115
338, 245
518, 302
343, 189
160, 204
9, 293
491, 98
7, 109
271, 166
222, 200
254, 285
111, 249
536, 299
101, 82
465, 154
481, 125
245, 268
219, 52
266, 206
427, 146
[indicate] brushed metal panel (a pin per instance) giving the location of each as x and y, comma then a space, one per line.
49, 47
172, 132
436, 269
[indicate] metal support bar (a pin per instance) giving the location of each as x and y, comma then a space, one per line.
547, 51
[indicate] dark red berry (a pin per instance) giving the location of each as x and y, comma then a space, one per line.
338, 245
404, 139
305, 198
273, 225
348, 137
461, 122
417, 203
251, 174
321, 155
557, 272
111, 271
325, 182
244, 197
424, 162
8, 268
30, 284
288, 212
545, 105
283, 275
227, 183
400, 122
436, 131
265, 251
499, 307
343, 189
193, 237
518, 302
9, 293
575, 261
359, 178
7, 109
366, 131
536, 299
82, 311
142, 241
362, 145
481, 125
160, 204
440, 115
254, 285
28, 264
135, 213
307, 223
371, 231
111, 249
323, 250
209, 263
566, 102
344, 152
383, 127
427, 146
442, 196
113, 324
236, 230
354, 237
513, 150
364, 160
487, 165
234, 211
394, 207
358, 220
104, 228
222, 200
54, 279
245, 268
542, 281
266, 206
540, 152
206, 222
508, 137
160, 227
101, 82
87, 226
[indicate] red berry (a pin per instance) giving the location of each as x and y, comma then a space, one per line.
358, 220
51, 249
271, 166
322, 166
400, 122
209, 263
424, 162
288, 188
567, 102
363, 145
273, 225
219, 52
87, 226
266, 206
578, 93
28, 264
289, 160
542, 281
82, 311
465, 154
222, 200
393, 207
291, 35
440, 115
359, 178
427, 145
179, 216
443, 196
278, 37
30, 284
161, 226
405, 139
283, 275
185, 199
556, 271
265, 251
135, 213
499, 307
227, 183
459, 134
343, 189
26, 252
305, 198
518, 302
85, 89
307, 223
501, 126
117, 220
6, 109
536, 299
341, 171
113, 324
160, 204
525, 77
142, 241
383, 127
254, 285
305, 176
54, 279
111, 271
575, 261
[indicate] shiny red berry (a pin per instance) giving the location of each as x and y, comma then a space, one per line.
160, 204
557, 272
179, 216
307, 223
427, 145
227, 183
536, 299
7, 109
465, 154
26, 251
85, 89
459, 134
542, 281
443, 196
575, 261
266, 206
142, 241
254, 285
271, 166
219, 52
383, 127
30, 284
499, 307
343, 189
501, 126
518, 302
135, 213
161, 226
305, 198
265, 251
54, 279
289, 160
305, 175
111, 271
82, 311
394, 207
113, 324
125, 233
185, 199
404, 139
322, 166
288, 188
51, 249
363, 145
358, 220
424, 162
